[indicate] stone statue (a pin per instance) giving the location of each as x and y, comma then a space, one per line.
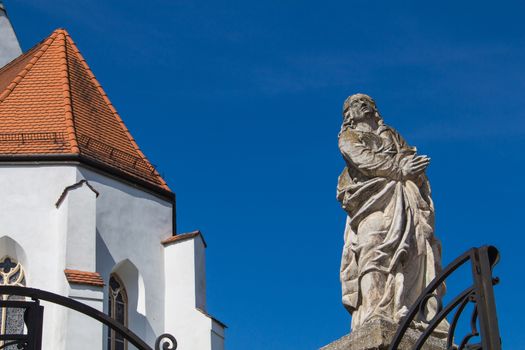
390, 252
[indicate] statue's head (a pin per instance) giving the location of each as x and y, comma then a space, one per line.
358, 108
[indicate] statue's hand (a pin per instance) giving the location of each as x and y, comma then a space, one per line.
413, 167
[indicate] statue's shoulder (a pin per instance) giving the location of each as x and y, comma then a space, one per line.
386, 129
350, 135
392, 134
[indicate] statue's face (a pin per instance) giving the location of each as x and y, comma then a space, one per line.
361, 109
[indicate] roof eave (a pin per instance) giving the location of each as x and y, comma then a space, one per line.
72, 157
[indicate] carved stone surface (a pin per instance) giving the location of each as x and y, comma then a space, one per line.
377, 335
390, 252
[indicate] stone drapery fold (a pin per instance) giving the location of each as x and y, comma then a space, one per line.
389, 230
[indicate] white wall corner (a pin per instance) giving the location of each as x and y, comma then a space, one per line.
185, 273
217, 331
86, 292
185, 270
83, 332
217, 335
79, 203
179, 269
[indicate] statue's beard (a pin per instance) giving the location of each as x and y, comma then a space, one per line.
354, 117
359, 117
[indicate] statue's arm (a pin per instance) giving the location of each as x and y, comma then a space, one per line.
370, 162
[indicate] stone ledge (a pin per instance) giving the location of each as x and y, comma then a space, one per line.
378, 334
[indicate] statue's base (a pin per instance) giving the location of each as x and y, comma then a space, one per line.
378, 334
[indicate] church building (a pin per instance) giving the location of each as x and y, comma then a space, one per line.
84, 214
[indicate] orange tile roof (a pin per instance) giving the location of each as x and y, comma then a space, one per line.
52, 104
84, 277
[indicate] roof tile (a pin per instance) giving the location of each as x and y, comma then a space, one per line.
51, 103
84, 277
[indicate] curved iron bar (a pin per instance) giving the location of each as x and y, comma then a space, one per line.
38, 294
472, 255
473, 321
22, 344
168, 342
454, 323
441, 316
465, 341
434, 284
493, 255
473, 330
424, 303
17, 337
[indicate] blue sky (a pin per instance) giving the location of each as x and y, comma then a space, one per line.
238, 103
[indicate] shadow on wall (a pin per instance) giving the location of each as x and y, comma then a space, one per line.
133, 282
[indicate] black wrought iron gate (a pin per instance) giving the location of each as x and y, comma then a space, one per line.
30, 337
480, 294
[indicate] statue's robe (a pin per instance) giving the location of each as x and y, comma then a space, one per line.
389, 229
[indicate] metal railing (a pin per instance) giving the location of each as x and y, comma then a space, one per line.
32, 137
480, 294
91, 148
33, 319
125, 160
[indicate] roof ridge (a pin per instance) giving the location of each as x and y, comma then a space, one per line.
111, 107
68, 107
40, 52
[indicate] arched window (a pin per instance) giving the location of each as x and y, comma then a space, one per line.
12, 319
118, 310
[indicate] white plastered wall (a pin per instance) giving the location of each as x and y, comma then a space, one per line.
30, 218
131, 223
186, 316
79, 201
78, 204
165, 284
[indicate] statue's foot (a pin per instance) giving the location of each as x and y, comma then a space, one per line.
441, 331
379, 318
400, 314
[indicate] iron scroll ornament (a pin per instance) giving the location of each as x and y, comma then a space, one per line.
167, 341
480, 293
